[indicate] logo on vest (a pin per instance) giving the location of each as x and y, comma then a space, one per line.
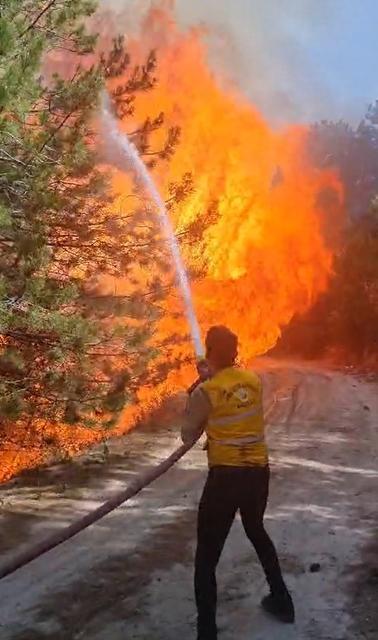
242, 395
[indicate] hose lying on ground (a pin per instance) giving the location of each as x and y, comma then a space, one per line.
140, 482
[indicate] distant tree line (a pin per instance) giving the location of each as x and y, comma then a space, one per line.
343, 322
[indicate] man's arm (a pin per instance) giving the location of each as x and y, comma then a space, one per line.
196, 416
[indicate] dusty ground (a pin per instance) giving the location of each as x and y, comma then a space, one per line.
130, 576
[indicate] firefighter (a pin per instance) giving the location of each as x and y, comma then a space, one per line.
227, 405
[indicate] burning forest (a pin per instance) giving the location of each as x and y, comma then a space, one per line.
258, 216
253, 227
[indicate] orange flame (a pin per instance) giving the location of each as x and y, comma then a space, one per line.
262, 254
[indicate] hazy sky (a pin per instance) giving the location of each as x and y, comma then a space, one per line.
297, 59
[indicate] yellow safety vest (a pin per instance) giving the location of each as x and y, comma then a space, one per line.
235, 428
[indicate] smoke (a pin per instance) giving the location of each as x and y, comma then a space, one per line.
264, 48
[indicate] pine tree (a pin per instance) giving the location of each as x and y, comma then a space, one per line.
71, 349
353, 151
354, 291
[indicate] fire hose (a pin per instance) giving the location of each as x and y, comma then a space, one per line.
140, 482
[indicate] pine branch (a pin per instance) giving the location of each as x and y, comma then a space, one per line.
56, 130
38, 17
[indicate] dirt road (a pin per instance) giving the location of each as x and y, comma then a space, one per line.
130, 576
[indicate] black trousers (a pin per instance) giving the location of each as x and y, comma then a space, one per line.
228, 490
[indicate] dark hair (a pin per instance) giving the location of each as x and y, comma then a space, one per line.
221, 345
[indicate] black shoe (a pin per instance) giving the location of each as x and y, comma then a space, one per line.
279, 606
